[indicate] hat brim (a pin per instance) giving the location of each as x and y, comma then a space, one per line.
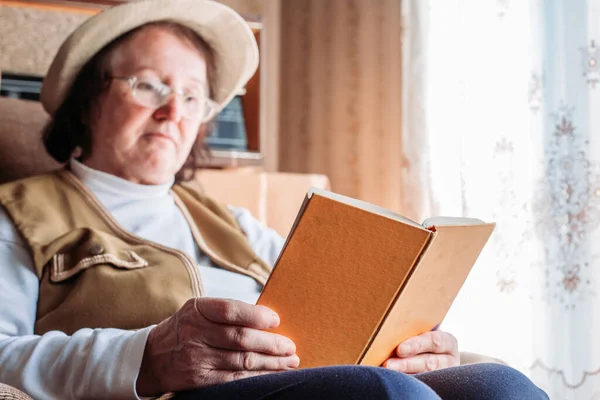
229, 35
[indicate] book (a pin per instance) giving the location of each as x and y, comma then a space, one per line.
354, 280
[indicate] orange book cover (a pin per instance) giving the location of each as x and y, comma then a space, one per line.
354, 280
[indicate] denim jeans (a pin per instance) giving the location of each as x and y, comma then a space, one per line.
475, 381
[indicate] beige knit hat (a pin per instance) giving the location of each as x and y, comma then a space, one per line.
236, 51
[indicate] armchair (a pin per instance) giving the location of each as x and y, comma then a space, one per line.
10, 393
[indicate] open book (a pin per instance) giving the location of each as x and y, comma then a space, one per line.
355, 280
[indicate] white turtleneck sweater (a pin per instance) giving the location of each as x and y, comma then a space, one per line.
104, 363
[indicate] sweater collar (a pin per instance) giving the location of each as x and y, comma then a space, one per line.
102, 182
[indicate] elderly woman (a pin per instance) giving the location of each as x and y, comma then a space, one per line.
121, 280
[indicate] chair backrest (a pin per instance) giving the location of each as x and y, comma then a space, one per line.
22, 152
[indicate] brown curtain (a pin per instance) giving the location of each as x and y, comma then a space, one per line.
341, 95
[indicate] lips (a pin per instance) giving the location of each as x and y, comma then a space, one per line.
160, 135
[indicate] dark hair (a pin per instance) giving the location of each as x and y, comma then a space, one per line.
69, 129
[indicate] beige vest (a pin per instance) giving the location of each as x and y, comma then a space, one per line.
95, 274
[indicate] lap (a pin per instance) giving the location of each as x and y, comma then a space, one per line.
477, 381
327, 383
482, 381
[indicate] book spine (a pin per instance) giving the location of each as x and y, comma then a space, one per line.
377, 359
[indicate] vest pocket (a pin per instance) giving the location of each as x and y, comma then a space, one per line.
61, 270
90, 250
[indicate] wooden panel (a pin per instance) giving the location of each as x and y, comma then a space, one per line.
251, 104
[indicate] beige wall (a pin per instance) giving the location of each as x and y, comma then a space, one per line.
29, 37
248, 8
341, 95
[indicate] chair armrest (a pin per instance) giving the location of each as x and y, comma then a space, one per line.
10, 393
474, 358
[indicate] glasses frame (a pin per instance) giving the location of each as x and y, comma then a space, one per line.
210, 105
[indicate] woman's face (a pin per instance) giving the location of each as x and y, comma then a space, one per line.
140, 144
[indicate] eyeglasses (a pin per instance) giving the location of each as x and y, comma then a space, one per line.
152, 93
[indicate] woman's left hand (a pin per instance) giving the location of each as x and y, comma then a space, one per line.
427, 352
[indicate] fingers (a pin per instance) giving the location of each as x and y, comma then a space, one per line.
249, 340
251, 361
437, 342
421, 363
233, 312
239, 326
427, 352
211, 341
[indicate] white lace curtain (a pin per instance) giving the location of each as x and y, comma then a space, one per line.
502, 122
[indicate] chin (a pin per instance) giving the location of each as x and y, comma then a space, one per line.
157, 169
155, 180
154, 175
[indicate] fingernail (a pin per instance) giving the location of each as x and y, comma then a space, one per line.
293, 361
404, 349
291, 347
274, 320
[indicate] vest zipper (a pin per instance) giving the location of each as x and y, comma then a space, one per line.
89, 197
204, 247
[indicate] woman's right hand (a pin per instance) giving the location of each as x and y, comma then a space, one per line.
211, 341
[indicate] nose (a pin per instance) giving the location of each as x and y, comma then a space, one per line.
171, 110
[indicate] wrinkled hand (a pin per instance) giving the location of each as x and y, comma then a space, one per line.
210, 341
427, 352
